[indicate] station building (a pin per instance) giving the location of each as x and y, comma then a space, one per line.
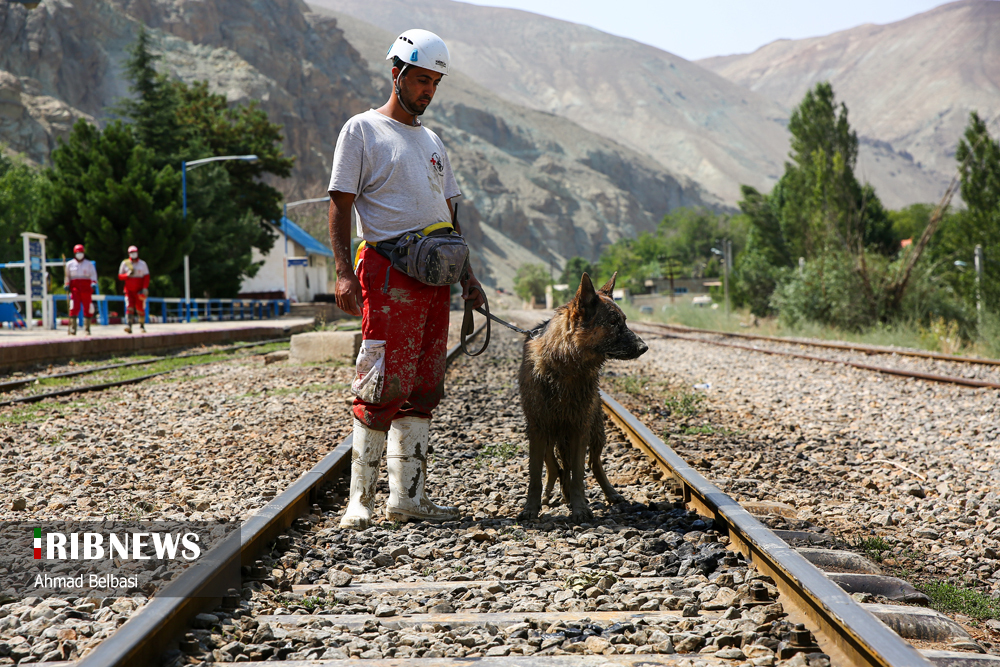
307, 262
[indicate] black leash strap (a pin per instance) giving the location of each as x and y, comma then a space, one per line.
468, 325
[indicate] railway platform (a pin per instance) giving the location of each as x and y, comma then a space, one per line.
22, 348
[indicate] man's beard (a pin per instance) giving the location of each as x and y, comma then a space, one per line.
412, 102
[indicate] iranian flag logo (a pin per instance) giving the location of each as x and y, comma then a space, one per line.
38, 543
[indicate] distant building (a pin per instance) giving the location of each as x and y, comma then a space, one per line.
307, 267
681, 285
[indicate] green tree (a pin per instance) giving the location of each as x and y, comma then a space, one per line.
20, 206
636, 261
153, 109
123, 185
978, 155
817, 209
531, 281
573, 272
910, 222
222, 239
103, 190
218, 129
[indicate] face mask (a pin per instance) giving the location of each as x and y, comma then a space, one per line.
79, 256
133, 255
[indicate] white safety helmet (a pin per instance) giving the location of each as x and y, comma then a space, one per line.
421, 48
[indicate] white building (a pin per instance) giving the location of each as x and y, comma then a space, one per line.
306, 260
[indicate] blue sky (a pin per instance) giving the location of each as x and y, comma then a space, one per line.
696, 29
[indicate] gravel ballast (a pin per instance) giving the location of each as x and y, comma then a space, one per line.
647, 577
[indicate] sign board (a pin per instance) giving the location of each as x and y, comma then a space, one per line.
298, 261
35, 275
36, 268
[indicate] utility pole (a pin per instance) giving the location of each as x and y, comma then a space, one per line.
979, 293
670, 275
727, 264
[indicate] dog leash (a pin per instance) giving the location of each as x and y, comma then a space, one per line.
468, 326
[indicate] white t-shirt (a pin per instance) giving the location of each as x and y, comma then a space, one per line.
80, 270
399, 174
139, 268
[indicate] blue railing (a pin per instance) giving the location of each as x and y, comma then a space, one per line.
179, 310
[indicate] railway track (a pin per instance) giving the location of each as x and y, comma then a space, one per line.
989, 377
20, 382
621, 595
832, 345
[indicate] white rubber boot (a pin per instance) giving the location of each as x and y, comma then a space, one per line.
86, 325
366, 459
407, 463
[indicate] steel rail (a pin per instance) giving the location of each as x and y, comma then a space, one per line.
859, 636
141, 641
852, 347
35, 398
14, 384
945, 379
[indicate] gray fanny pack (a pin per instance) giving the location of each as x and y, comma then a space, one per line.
440, 257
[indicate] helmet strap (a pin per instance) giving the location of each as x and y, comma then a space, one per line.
399, 95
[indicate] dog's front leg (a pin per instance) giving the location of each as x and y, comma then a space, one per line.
577, 464
536, 458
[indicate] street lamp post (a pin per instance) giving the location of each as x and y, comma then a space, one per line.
726, 255
184, 167
284, 229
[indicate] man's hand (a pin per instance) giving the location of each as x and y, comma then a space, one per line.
144, 292
477, 296
348, 294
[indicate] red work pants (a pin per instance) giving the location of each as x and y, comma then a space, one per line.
80, 293
135, 303
401, 364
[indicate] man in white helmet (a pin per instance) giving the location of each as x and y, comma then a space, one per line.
81, 278
396, 174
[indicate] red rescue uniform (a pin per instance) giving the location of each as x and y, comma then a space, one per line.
135, 273
80, 279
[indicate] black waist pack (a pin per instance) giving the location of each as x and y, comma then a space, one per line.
436, 255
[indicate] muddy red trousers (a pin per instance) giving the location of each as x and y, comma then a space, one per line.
135, 303
81, 296
400, 369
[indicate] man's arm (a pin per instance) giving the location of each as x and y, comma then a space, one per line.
478, 298
348, 289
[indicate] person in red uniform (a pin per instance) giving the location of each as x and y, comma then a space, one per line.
135, 273
81, 278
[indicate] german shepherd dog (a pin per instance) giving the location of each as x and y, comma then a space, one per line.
559, 395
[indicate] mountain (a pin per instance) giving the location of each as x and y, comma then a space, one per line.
910, 84
691, 121
538, 188
552, 187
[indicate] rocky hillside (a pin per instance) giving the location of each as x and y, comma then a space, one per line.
537, 188
910, 84
687, 119
295, 62
542, 181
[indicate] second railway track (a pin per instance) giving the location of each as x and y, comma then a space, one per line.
651, 582
928, 366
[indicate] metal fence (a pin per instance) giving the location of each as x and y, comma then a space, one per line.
162, 309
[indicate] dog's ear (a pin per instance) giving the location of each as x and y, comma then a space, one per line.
586, 299
609, 286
